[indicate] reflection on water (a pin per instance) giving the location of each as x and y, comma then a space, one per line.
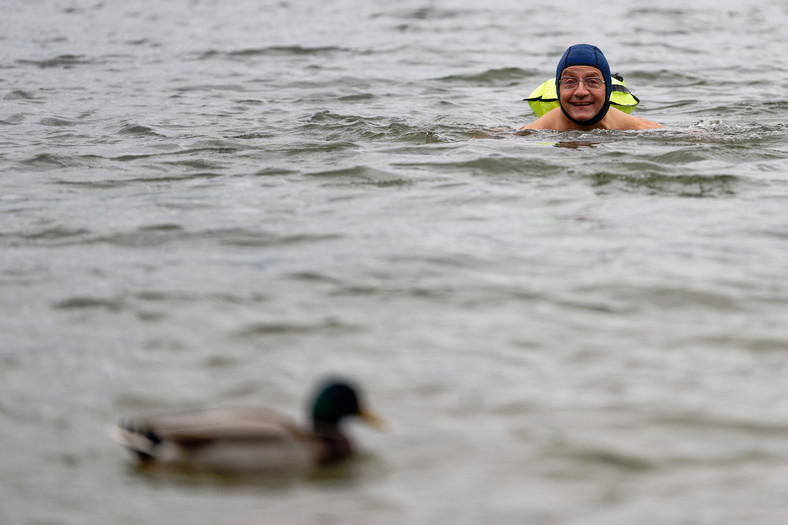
345, 475
572, 144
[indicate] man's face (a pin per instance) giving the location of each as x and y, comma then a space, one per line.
581, 102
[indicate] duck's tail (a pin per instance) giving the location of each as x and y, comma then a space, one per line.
142, 442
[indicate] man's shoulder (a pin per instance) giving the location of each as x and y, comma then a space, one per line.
624, 121
550, 120
615, 119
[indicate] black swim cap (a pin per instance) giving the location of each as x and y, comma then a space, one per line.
585, 55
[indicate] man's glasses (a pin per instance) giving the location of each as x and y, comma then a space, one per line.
590, 83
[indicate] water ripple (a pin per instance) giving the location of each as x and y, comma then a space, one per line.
65, 61
216, 202
500, 76
283, 51
660, 183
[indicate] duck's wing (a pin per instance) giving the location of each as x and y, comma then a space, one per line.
238, 439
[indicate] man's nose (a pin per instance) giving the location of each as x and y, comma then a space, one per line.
581, 88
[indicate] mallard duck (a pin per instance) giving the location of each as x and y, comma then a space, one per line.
247, 439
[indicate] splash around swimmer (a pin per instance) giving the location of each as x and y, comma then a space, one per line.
583, 87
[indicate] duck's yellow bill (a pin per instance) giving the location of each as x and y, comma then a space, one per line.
372, 419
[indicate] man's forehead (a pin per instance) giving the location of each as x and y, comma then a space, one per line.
582, 70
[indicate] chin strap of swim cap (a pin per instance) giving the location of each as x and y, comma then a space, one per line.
585, 55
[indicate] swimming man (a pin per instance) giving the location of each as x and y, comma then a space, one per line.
584, 86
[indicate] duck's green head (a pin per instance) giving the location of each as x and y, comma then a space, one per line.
336, 400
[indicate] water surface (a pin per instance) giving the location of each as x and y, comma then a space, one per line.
208, 202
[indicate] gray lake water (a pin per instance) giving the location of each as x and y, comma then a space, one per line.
216, 202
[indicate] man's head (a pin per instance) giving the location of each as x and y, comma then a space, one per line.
582, 100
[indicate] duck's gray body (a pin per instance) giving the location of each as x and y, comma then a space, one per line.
229, 439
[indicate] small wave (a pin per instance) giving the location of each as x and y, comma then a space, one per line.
336, 128
167, 233
139, 42
213, 146
729, 423
244, 238
664, 77
726, 128
143, 238
313, 277
423, 13
62, 61
294, 50
650, 11
357, 97
250, 102
198, 88
19, 94
13, 119
83, 302
677, 156
254, 135
304, 149
58, 122
285, 328
51, 161
290, 50
133, 128
658, 183
146, 181
492, 165
328, 116
772, 107
209, 168
274, 172
674, 105
363, 175
504, 76
610, 457
54, 235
